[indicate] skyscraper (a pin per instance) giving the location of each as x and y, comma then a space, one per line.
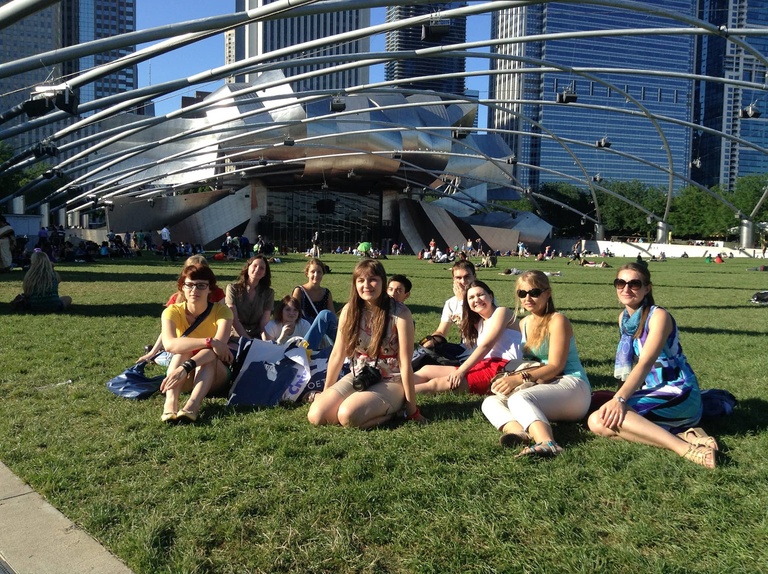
262, 37
438, 31
615, 102
727, 108
67, 23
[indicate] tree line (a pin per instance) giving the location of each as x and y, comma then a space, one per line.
694, 214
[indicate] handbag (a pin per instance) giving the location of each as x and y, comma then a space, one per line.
132, 383
515, 367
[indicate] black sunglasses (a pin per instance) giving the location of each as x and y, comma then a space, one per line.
634, 284
533, 293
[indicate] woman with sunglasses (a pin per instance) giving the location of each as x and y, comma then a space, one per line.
660, 392
201, 357
491, 332
558, 390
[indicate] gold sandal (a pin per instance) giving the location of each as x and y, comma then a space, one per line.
697, 436
701, 455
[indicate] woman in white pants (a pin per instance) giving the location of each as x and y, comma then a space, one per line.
558, 390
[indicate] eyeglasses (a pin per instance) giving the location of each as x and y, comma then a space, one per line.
198, 286
633, 284
533, 293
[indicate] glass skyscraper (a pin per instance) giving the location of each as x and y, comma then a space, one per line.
605, 107
439, 32
268, 35
721, 107
67, 23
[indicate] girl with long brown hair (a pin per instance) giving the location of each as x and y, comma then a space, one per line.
376, 334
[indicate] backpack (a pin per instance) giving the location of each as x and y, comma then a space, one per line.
717, 403
760, 298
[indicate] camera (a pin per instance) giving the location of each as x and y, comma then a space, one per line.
367, 377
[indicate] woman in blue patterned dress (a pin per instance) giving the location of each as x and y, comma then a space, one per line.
660, 393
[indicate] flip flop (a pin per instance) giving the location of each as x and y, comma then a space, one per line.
543, 449
184, 416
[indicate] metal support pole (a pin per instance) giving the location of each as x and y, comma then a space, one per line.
662, 232
746, 234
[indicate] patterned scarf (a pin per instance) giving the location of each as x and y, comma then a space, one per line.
625, 353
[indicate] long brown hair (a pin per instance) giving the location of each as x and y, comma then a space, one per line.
642, 270
356, 307
241, 283
537, 280
470, 318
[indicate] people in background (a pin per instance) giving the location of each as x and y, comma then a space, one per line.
41, 285
7, 243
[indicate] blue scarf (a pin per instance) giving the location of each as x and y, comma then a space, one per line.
625, 353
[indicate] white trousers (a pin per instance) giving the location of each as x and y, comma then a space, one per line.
566, 399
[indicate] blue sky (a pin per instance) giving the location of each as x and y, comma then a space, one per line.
209, 53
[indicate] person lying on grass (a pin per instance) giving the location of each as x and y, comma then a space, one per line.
376, 334
492, 333
558, 390
201, 359
660, 393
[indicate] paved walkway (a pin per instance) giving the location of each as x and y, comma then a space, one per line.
35, 538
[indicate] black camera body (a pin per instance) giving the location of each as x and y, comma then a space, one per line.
367, 377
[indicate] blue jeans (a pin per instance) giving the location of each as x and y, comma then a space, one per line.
324, 324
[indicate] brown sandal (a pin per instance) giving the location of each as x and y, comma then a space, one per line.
697, 436
701, 455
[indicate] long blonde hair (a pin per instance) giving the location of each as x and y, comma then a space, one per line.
41, 278
355, 309
537, 280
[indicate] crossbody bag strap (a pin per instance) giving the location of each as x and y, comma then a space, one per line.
199, 320
311, 302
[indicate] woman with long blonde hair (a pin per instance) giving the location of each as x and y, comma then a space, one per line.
41, 285
376, 334
558, 390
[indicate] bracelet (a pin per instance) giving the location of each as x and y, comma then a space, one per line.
189, 365
526, 376
208, 344
413, 415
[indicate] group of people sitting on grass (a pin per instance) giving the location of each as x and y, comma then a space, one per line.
657, 403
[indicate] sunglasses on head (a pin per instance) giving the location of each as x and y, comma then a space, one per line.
532, 292
634, 284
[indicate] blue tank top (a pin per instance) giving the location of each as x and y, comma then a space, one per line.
573, 364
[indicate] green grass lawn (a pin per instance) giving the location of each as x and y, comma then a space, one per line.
259, 490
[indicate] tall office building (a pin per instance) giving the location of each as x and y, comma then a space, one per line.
534, 96
727, 108
438, 32
67, 23
261, 38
